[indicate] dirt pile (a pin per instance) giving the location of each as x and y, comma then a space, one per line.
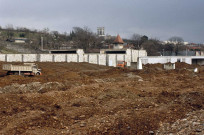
191, 124
81, 98
31, 87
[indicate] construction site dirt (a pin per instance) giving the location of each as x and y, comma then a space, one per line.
82, 98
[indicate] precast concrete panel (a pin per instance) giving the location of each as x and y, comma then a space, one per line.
86, 58
72, 57
189, 60
80, 51
14, 57
29, 57
166, 59
142, 53
46, 57
112, 60
174, 60
181, 59
81, 57
2, 57
135, 54
93, 58
129, 51
60, 57
120, 57
161, 60
128, 59
102, 59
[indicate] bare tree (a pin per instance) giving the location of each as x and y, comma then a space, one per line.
169, 48
55, 34
177, 42
153, 47
45, 31
136, 39
9, 32
84, 37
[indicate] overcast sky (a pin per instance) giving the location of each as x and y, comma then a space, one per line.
159, 19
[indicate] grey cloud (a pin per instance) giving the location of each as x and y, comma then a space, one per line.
158, 18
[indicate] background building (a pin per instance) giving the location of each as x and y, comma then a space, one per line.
101, 31
118, 43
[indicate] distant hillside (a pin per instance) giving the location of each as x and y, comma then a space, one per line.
82, 38
13, 48
5, 50
33, 39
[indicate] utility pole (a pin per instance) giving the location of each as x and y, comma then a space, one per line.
41, 43
139, 63
138, 48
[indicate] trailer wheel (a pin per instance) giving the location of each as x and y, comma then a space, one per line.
37, 73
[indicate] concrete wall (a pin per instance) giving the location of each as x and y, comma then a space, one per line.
128, 60
166, 59
120, 57
46, 57
136, 53
2, 57
72, 57
85, 58
80, 53
80, 56
29, 57
14, 58
102, 59
111, 60
93, 58
60, 58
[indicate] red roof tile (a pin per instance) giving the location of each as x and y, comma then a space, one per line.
118, 40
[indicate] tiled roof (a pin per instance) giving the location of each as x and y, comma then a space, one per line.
118, 40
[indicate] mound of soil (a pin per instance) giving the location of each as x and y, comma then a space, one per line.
82, 98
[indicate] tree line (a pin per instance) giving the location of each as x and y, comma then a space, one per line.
85, 39
155, 47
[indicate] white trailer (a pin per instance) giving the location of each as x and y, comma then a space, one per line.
25, 69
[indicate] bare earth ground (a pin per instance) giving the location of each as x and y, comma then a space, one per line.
81, 98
